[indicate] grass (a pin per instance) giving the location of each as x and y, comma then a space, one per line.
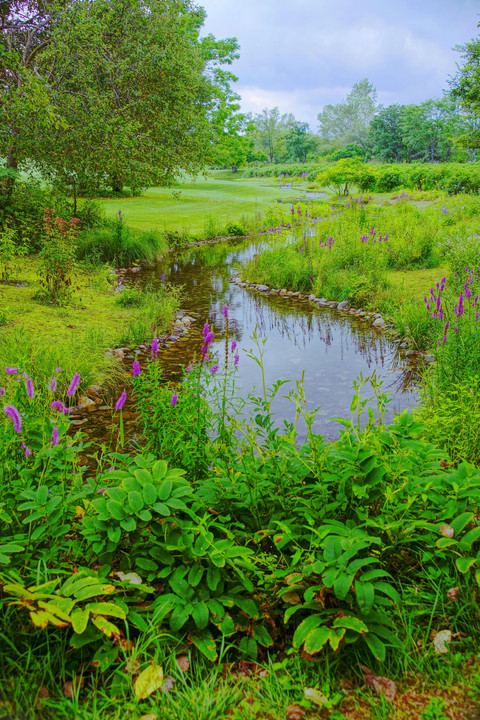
37, 334
187, 206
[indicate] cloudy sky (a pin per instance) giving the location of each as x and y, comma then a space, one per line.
303, 54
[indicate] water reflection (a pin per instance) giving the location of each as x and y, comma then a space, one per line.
329, 348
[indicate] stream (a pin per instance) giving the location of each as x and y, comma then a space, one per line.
328, 348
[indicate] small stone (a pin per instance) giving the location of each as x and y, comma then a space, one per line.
404, 345
118, 353
311, 297
262, 288
379, 322
342, 305
283, 291
172, 338
84, 403
429, 358
295, 294
333, 303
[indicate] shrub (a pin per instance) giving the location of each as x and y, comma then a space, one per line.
57, 257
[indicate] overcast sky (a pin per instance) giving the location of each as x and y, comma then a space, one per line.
303, 54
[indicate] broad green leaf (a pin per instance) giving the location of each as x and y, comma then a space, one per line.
316, 639
159, 470
80, 619
135, 500
206, 644
161, 509
107, 608
200, 615
464, 564
149, 680
143, 476
164, 490
116, 493
342, 585
305, 628
365, 593
149, 493
376, 646
195, 574
116, 510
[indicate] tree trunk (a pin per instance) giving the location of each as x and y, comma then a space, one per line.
117, 184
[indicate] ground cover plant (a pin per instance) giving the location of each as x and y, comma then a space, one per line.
233, 543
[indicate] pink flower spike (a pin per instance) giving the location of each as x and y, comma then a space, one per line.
30, 388
14, 415
73, 385
136, 368
2, 391
11, 370
214, 369
174, 400
55, 437
235, 360
121, 401
52, 384
225, 311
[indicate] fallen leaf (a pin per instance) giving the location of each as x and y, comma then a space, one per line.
295, 712
447, 531
292, 597
246, 667
315, 696
148, 681
132, 578
452, 594
149, 716
183, 663
132, 666
71, 686
168, 684
43, 692
381, 685
441, 640
79, 511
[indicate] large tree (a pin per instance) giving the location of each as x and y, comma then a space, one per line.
386, 134
123, 91
269, 130
349, 121
465, 88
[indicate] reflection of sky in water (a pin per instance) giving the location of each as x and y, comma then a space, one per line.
329, 348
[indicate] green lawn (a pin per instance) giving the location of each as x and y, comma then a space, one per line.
186, 207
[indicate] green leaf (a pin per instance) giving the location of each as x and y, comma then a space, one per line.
365, 593
389, 591
164, 490
464, 564
213, 578
106, 608
376, 646
80, 619
342, 585
161, 509
115, 510
178, 618
149, 493
146, 564
305, 628
135, 500
143, 476
461, 521
248, 606
316, 639
195, 575
351, 623
159, 470
206, 644
200, 615
116, 493
114, 534
129, 524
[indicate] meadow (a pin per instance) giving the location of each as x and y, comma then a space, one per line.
218, 567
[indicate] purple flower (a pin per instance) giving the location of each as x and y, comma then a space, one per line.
154, 348
73, 385
14, 415
174, 400
52, 384
214, 369
225, 310
30, 388
58, 370
120, 214
11, 370
136, 368
121, 401
57, 405
234, 346
55, 436
2, 391
235, 360
28, 451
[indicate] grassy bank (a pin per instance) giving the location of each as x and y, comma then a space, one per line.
37, 334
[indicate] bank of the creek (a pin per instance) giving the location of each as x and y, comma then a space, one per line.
331, 349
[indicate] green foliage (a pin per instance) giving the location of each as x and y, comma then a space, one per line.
115, 242
57, 257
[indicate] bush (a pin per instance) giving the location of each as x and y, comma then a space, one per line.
116, 243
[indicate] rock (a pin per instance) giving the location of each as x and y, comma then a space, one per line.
429, 358
84, 403
296, 294
262, 288
352, 311
94, 390
377, 315
342, 305
172, 338
118, 353
283, 291
311, 297
361, 313
78, 422
333, 303
242, 284
404, 345
379, 322
274, 291
187, 320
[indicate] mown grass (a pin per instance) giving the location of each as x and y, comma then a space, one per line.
188, 206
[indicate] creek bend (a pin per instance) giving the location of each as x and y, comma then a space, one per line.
329, 347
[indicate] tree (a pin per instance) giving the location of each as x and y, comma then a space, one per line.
269, 132
129, 93
386, 134
465, 89
349, 121
300, 142
428, 129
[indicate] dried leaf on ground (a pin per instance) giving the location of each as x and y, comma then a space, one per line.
381, 685
447, 531
132, 666
315, 696
71, 686
149, 680
149, 716
246, 668
441, 640
295, 712
43, 692
292, 598
132, 578
168, 684
452, 594
183, 663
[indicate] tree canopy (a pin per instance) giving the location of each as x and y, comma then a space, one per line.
117, 91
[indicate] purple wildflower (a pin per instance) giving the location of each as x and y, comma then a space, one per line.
214, 369
11, 370
234, 346
154, 348
2, 391
225, 310
58, 370
58, 405
73, 385
52, 384
235, 360
174, 400
55, 436
30, 388
28, 451
121, 401
14, 415
136, 368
